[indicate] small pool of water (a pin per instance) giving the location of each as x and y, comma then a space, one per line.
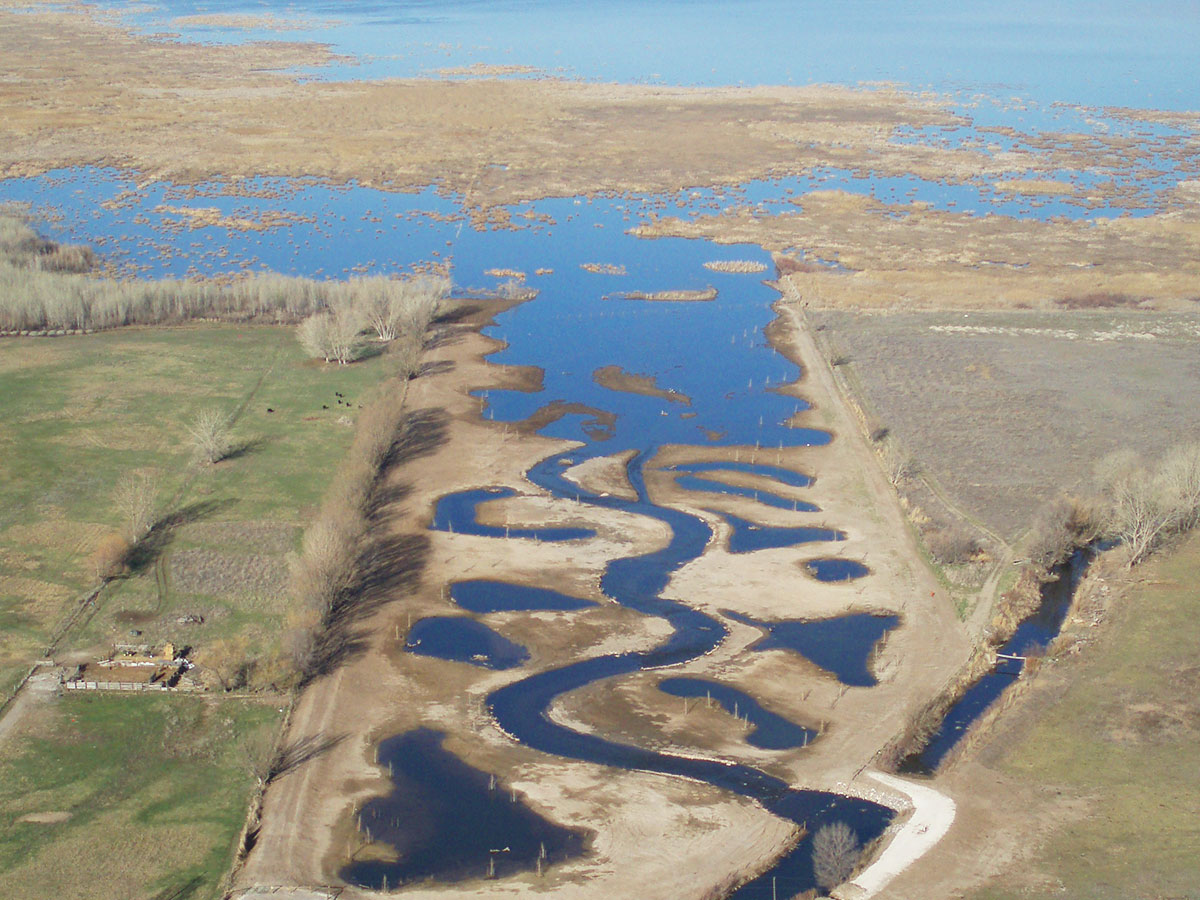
464, 640
832, 568
448, 821
458, 513
748, 536
841, 645
769, 731
696, 483
484, 596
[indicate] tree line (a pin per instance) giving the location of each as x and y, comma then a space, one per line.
50, 287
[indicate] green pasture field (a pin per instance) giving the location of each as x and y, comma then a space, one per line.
1122, 738
132, 795
79, 413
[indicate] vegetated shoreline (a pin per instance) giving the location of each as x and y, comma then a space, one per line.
459, 129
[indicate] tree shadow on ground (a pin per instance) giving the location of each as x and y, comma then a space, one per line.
146, 551
244, 448
185, 891
420, 433
388, 566
293, 754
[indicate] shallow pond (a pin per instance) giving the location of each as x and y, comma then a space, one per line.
710, 485
841, 645
833, 569
483, 596
464, 640
748, 536
458, 513
449, 821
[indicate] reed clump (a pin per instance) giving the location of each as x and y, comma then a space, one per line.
46, 287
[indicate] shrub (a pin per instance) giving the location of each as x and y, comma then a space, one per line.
110, 559
135, 498
1141, 506
951, 544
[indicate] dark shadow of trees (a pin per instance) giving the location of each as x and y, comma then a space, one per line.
145, 552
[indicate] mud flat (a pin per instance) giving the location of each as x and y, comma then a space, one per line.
617, 379
675, 296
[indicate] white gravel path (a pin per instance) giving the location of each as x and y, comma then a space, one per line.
932, 815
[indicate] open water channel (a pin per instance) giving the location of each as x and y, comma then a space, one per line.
713, 352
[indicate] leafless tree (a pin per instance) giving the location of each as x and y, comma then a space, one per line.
313, 334
345, 330
899, 464
835, 853
209, 431
135, 498
406, 356
1144, 505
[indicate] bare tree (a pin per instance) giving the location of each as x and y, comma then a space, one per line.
407, 357
313, 334
135, 498
422, 302
898, 463
1180, 474
835, 853
345, 330
1143, 506
335, 334
209, 431
379, 302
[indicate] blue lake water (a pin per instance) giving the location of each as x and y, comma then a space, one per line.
458, 513
834, 569
1000, 64
449, 821
1098, 52
749, 536
710, 485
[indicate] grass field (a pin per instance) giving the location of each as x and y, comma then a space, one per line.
134, 796
79, 413
1123, 737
